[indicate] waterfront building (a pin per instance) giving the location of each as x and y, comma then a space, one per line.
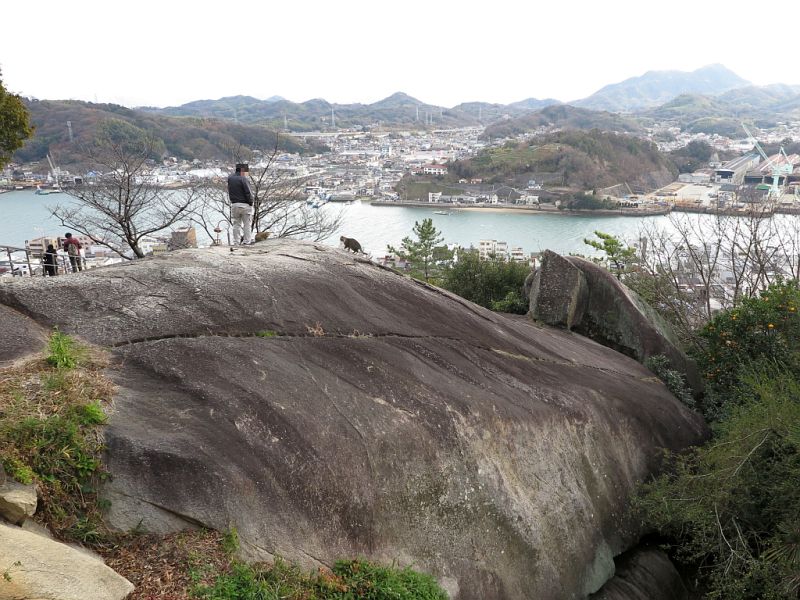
489, 248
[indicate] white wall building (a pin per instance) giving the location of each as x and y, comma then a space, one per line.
487, 248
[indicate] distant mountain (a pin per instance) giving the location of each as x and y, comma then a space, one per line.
396, 100
657, 87
185, 137
534, 103
486, 112
563, 116
399, 109
723, 114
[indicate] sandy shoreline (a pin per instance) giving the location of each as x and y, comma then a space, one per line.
632, 212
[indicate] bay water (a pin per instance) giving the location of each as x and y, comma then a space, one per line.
25, 215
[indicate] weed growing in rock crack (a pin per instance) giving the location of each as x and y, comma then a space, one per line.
230, 541
50, 409
267, 333
64, 351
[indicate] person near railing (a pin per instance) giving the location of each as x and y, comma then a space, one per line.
50, 261
73, 249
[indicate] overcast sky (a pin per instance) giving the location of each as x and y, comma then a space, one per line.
442, 52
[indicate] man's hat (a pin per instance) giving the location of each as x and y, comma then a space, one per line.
242, 167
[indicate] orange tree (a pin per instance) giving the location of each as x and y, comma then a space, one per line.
761, 334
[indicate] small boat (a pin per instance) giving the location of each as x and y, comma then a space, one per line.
441, 212
42, 192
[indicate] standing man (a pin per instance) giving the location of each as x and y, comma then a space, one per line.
241, 204
73, 249
50, 260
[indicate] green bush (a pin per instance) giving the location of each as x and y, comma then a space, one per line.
495, 283
731, 509
349, 580
674, 380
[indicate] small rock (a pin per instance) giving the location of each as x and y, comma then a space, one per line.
17, 501
35, 567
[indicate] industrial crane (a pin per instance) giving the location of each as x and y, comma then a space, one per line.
55, 171
778, 171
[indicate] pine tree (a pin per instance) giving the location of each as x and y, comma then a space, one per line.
420, 252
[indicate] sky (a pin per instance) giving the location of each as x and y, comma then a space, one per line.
148, 53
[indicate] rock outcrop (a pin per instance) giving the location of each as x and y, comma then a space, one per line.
579, 295
558, 292
36, 568
644, 574
326, 408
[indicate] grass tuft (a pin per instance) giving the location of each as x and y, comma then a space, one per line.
64, 351
50, 409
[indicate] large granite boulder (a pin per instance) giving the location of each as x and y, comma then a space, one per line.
37, 568
579, 295
326, 408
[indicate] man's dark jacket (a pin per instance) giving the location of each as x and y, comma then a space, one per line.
239, 190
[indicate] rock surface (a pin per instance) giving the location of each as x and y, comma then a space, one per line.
607, 312
644, 574
20, 335
328, 408
558, 292
36, 568
17, 501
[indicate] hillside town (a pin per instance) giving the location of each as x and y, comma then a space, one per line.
364, 166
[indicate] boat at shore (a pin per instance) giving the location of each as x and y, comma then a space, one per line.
40, 191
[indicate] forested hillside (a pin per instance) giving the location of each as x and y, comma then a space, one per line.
577, 159
184, 137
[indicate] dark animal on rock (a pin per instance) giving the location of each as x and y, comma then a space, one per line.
351, 244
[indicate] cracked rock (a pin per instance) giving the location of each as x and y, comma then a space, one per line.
500, 458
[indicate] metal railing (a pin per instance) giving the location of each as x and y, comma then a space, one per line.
36, 264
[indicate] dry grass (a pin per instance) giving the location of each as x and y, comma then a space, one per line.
166, 567
316, 330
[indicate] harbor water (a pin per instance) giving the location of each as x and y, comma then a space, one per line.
25, 215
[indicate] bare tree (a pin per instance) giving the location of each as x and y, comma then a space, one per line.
279, 196
123, 205
710, 262
212, 209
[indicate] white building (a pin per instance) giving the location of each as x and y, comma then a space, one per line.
488, 248
433, 169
